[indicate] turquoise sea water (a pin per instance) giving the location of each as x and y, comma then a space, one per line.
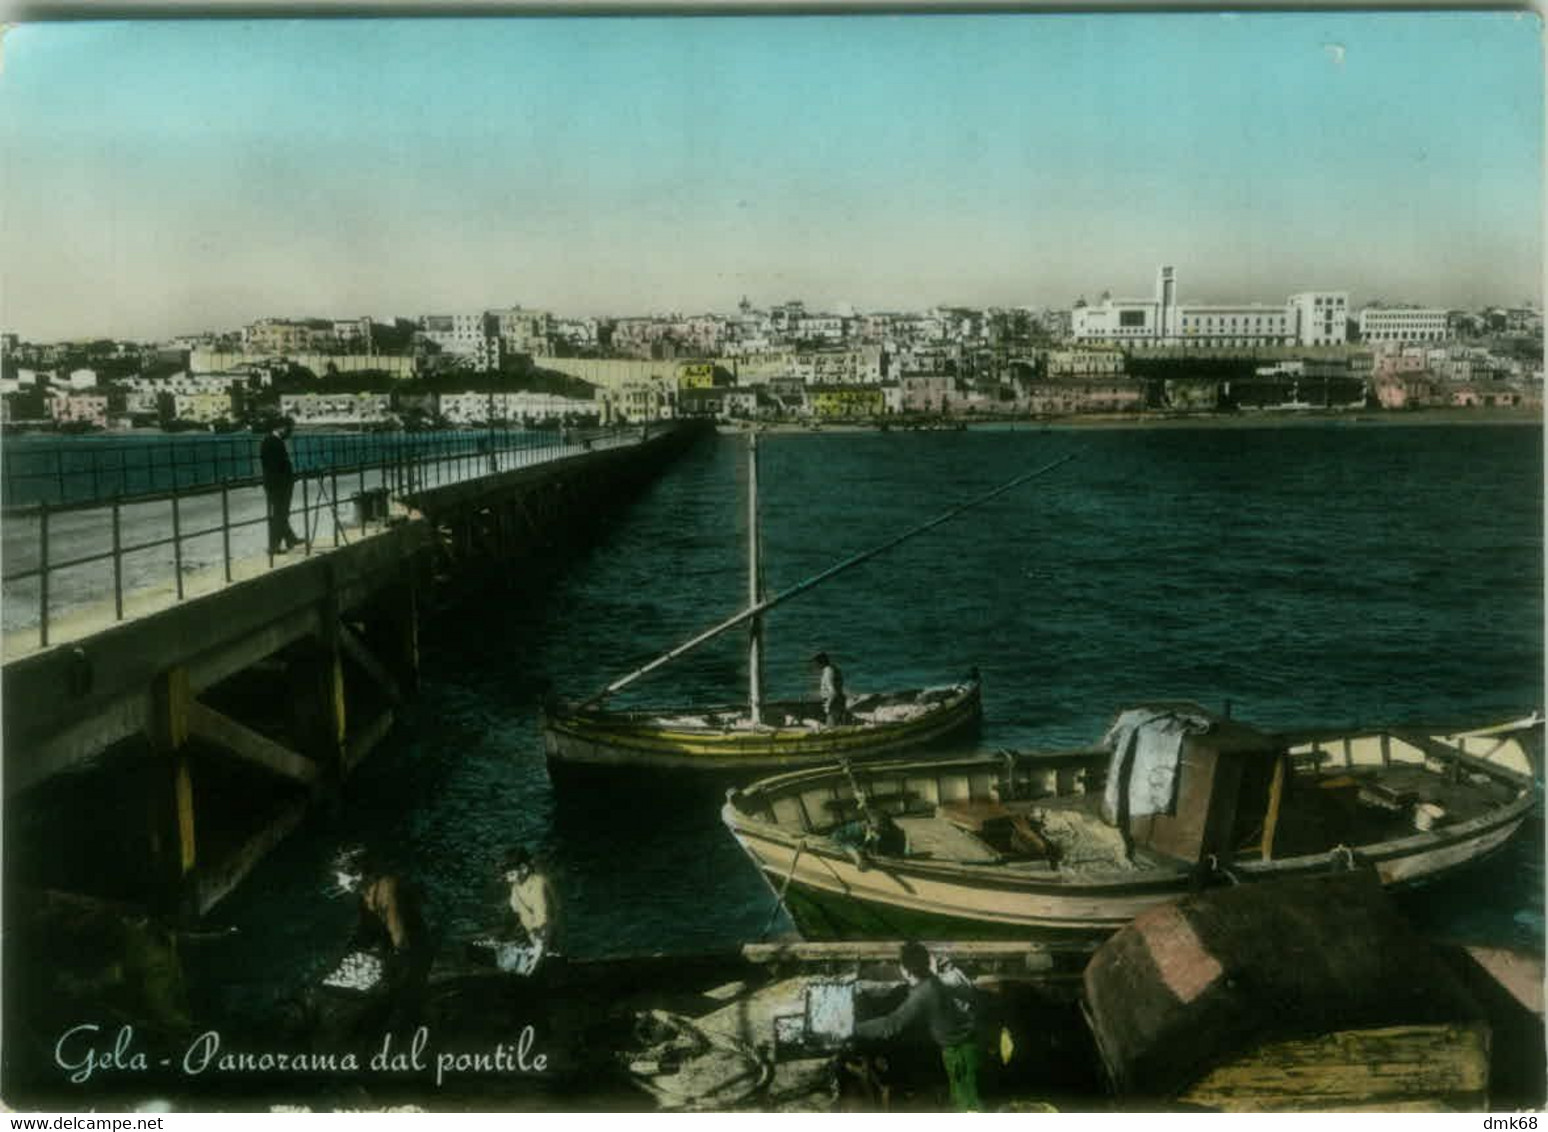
1311, 575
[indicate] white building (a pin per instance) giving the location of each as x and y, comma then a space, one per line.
336, 408
202, 408
1237, 326
1136, 322
463, 336
1321, 318
523, 331
485, 408
1311, 319
76, 408
1088, 361
1403, 324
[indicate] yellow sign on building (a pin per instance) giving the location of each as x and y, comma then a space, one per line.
854, 401
696, 375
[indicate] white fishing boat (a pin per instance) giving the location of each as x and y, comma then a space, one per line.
1006, 844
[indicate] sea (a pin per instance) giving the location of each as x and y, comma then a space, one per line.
1305, 573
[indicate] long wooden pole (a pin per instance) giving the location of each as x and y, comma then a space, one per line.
815, 580
754, 586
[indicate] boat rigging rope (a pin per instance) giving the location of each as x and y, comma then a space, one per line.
815, 580
779, 898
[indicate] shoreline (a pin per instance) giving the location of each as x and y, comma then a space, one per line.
1363, 418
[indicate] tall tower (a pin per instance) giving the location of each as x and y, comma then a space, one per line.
1166, 303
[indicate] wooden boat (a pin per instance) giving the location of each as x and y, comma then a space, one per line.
1002, 845
762, 736
790, 734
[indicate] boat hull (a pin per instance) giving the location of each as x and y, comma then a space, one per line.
636, 740
832, 889
850, 904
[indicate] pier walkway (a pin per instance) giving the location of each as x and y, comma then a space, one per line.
158, 632
77, 568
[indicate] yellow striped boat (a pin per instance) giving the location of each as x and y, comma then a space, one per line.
792, 735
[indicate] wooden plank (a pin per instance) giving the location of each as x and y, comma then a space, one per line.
171, 702
357, 651
216, 881
1271, 814
237, 739
1398, 1065
364, 741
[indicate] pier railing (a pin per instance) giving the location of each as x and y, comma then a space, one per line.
172, 513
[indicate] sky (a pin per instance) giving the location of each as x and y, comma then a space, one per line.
161, 177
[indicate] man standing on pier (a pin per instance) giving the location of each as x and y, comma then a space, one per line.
279, 481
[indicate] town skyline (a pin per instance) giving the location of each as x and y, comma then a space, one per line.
166, 178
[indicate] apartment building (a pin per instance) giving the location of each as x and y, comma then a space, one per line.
336, 408
1403, 325
523, 331
1090, 361
1321, 318
79, 408
202, 408
832, 401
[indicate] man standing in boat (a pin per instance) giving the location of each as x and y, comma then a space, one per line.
947, 1010
835, 706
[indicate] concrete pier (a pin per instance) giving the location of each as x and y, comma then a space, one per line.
339, 629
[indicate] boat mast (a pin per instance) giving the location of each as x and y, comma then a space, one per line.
754, 586
815, 580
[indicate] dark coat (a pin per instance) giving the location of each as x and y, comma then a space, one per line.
275, 458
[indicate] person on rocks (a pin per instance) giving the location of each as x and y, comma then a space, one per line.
536, 908
391, 927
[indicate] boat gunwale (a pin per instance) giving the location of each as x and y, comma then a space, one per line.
957, 693
763, 749
994, 875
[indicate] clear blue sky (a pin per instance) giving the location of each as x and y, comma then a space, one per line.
162, 177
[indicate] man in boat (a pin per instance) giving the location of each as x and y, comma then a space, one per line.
835, 706
536, 909
391, 927
947, 1010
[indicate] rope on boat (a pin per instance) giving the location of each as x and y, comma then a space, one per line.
779, 899
1342, 855
1218, 869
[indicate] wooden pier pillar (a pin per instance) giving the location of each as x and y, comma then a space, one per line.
319, 710
173, 843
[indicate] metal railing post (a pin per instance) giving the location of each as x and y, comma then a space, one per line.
118, 564
306, 515
43, 572
177, 537
225, 526
334, 475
